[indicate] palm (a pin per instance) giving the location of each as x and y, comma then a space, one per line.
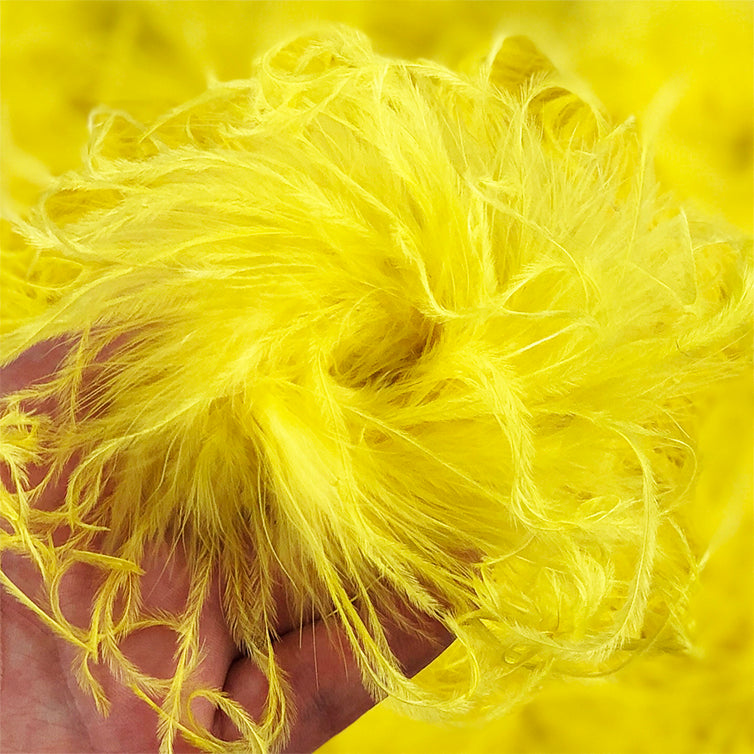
43, 707
44, 710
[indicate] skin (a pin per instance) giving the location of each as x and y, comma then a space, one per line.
42, 708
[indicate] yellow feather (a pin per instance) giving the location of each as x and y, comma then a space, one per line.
405, 331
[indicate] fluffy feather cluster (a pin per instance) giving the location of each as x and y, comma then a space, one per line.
397, 333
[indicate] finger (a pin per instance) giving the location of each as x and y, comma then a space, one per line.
42, 362
37, 364
324, 677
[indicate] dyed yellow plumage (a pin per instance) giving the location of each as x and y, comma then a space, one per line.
408, 332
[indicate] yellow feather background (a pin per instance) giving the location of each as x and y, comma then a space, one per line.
547, 401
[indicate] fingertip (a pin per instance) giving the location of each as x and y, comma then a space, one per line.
325, 681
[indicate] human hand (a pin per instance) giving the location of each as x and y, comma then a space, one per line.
43, 709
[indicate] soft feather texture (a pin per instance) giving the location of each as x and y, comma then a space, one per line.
407, 332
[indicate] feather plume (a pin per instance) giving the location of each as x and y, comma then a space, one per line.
388, 330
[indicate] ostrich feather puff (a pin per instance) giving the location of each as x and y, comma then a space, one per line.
401, 334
